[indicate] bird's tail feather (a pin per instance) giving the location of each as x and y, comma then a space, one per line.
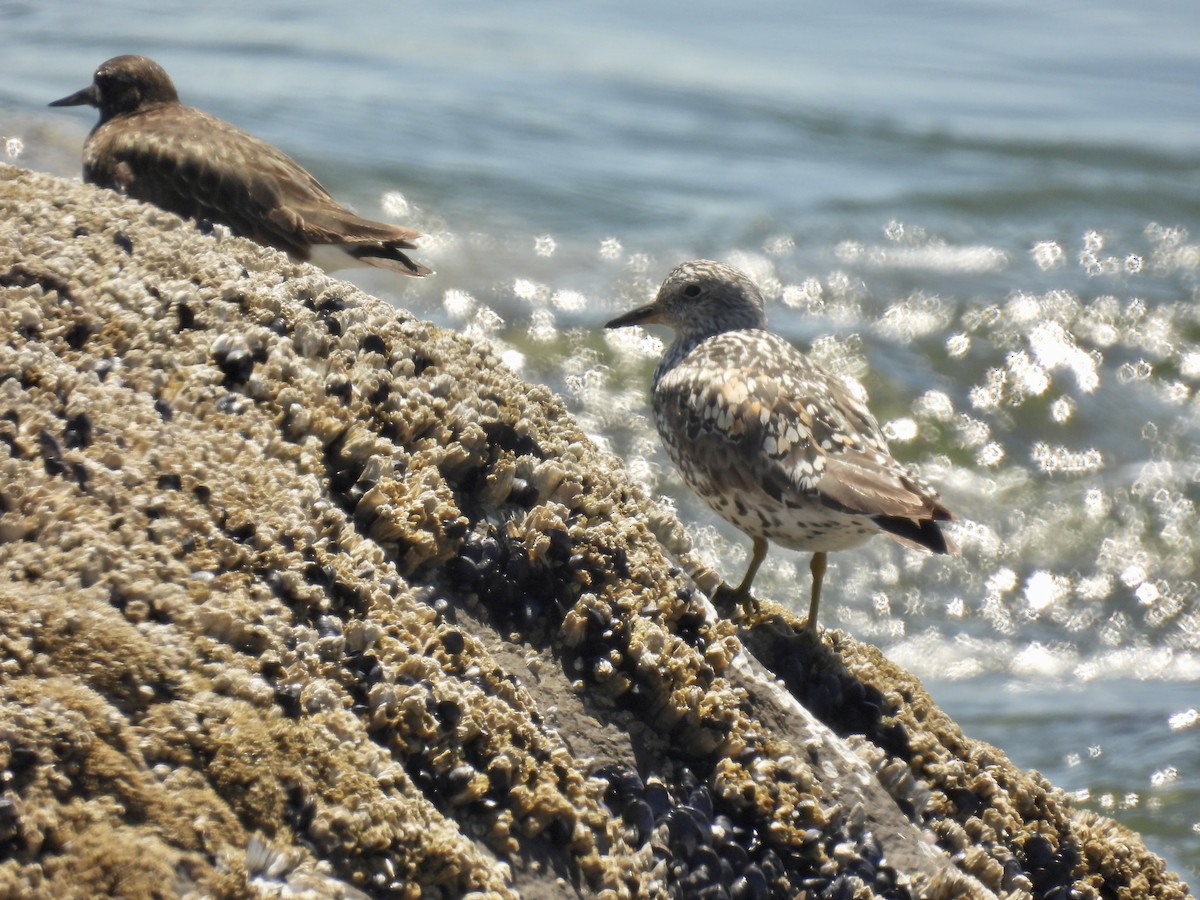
924, 533
388, 256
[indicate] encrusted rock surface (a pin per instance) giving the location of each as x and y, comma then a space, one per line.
302, 595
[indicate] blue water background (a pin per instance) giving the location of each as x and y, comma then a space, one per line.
985, 211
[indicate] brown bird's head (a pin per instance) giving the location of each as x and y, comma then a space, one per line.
124, 85
701, 298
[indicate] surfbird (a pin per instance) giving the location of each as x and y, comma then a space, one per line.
151, 147
776, 445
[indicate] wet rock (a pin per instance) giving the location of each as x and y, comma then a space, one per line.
301, 594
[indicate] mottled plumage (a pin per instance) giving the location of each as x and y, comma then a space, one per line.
151, 147
776, 445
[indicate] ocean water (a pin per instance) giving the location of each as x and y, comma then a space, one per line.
987, 213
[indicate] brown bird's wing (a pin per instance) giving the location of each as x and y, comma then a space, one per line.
760, 412
198, 166
375, 243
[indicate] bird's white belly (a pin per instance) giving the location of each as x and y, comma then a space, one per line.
810, 526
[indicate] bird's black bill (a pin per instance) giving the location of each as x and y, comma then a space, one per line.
643, 315
80, 98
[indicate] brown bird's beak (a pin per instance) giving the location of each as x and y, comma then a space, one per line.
643, 315
79, 98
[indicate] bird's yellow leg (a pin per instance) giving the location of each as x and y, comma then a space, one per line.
742, 592
817, 566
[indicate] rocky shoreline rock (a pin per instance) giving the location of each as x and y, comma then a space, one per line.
300, 595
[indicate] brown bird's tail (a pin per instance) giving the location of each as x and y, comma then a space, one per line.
388, 256
374, 243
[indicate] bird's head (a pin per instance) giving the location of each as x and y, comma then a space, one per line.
124, 85
701, 298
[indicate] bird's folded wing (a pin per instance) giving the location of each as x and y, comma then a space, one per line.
788, 429
196, 165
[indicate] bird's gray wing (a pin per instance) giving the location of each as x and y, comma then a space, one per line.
776, 423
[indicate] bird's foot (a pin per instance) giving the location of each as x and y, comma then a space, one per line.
725, 596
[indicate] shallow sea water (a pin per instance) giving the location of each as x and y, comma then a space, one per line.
987, 214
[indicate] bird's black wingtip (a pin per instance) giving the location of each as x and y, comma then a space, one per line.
918, 532
390, 258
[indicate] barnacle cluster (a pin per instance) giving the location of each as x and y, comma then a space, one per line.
300, 593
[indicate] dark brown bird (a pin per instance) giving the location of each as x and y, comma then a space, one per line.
151, 147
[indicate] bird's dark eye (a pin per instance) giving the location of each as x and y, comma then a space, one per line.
692, 290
